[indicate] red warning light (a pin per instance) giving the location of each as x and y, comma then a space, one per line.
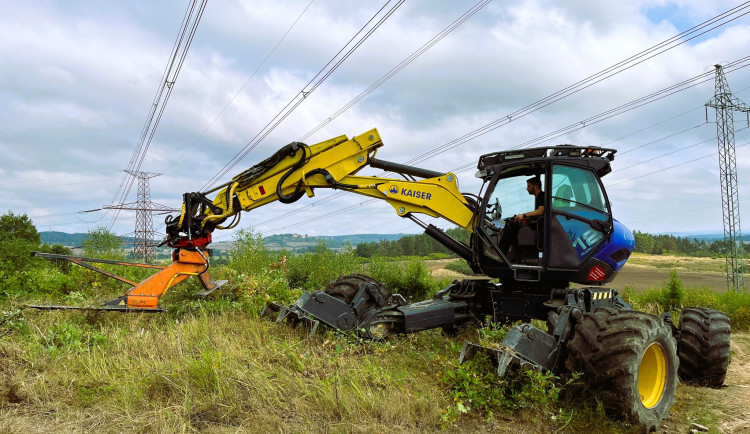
262, 190
597, 273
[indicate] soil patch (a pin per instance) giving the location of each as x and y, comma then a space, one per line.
641, 278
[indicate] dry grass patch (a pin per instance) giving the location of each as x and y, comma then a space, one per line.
146, 373
680, 263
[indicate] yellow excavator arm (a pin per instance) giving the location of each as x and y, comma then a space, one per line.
293, 171
298, 169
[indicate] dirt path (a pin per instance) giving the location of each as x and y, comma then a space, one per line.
735, 396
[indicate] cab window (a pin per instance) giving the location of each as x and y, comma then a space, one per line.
509, 198
577, 191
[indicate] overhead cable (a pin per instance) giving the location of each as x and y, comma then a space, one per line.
177, 59
366, 31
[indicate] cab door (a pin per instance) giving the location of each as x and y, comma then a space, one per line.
580, 218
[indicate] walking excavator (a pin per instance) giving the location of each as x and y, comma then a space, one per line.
552, 267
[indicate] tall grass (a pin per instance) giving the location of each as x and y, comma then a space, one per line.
212, 365
671, 296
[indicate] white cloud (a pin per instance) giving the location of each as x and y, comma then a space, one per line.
78, 80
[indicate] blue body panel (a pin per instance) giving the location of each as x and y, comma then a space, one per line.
621, 238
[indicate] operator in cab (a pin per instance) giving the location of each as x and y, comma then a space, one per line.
510, 232
534, 187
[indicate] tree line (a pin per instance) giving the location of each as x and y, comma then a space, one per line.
661, 244
410, 245
423, 245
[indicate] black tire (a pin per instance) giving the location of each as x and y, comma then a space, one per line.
385, 323
629, 359
703, 346
345, 287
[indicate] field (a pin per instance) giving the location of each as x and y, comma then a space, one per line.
215, 366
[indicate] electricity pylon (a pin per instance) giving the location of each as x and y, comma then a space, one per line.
725, 104
144, 242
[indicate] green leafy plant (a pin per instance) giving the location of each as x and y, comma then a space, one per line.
11, 320
474, 387
673, 293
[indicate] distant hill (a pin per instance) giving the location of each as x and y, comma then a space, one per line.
331, 241
703, 236
64, 238
274, 242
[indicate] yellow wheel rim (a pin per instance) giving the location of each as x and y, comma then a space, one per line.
652, 375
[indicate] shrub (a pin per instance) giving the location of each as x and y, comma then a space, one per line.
103, 243
313, 271
673, 296
249, 254
673, 293
12, 320
475, 388
67, 337
253, 290
412, 278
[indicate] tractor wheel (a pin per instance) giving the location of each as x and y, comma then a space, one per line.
345, 287
703, 346
384, 323
630, 360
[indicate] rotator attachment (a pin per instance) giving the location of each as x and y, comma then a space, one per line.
351, 303
144, 296
524, 346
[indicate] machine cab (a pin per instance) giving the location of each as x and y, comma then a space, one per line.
575, 240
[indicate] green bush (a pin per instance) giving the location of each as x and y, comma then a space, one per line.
674, 293
474, 387
313, 271
68, 337
252, 291
412, 278
103, 243
249, 254
438, 255
11, 321
673, 296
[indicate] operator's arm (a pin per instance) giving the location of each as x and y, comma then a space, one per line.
537, 212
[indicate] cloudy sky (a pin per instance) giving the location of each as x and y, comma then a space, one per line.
78, 79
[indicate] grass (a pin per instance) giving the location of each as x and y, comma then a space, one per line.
214, 365
232, 371
225, 371
671, 296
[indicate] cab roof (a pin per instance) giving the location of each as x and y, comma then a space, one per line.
594, 157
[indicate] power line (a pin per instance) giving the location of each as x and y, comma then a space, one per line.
639, 102
664, 138
668, 153
581, 124
556, 97
589, 81
632, 105
408, 60
672, 167
177, 59
309, 88
396, 69
680, 213
57, 184
234, 97
607, 73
